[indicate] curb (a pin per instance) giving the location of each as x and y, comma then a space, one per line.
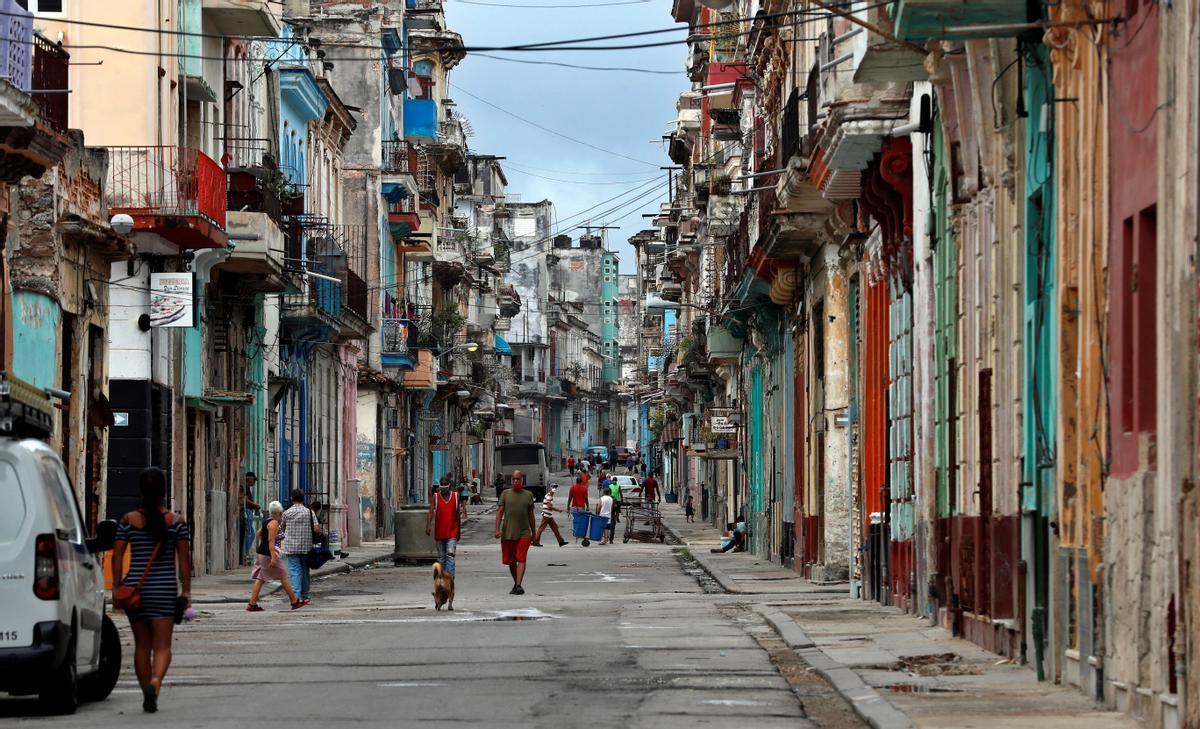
271, 589
340, 567
872, 708
727, 583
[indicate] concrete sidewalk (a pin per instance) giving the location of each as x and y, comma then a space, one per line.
233, 586
894, 668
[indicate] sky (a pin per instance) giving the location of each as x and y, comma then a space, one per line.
622, 112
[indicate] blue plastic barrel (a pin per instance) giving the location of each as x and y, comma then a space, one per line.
597, 527
579, 522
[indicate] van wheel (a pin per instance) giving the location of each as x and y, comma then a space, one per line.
60, 694
100, 684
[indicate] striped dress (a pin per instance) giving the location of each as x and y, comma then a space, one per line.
161, 588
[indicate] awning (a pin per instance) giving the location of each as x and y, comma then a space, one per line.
502, 346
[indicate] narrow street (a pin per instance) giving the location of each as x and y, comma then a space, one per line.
621, 635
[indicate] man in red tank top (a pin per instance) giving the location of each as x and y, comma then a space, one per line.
445, 522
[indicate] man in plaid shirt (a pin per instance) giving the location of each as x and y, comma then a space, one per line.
298, 527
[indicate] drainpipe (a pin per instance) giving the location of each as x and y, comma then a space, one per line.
847, 421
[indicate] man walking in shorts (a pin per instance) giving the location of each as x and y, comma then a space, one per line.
514, 528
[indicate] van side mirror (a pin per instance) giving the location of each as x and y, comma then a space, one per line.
106, 535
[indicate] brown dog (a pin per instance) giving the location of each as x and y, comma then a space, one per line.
443, 588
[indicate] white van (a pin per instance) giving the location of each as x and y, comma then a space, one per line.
529, 459
55, 639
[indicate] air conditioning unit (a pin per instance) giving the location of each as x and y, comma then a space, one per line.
391, 418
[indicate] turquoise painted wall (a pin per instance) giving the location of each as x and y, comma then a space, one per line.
756, 501
37, 320
945, 295
1041, 412
608, 317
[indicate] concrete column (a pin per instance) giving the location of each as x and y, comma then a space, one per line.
837, 399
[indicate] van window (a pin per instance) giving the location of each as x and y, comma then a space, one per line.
520, 455
12, 516
62, 500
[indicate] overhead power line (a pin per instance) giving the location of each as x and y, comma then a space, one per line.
549, 130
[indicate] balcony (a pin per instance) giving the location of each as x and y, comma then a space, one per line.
403, 219
450, 147
421, 376
420, 119
356, 310
502, 324
399, 167
880, 59
315, 313
259, 255
255, 184
243, 17
508, 301
918, 21
50, 74
176, 194
32, 127
398, 342
556, 389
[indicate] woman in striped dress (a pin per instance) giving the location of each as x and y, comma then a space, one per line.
153, 621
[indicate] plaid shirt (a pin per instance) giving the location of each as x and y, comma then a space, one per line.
298, 525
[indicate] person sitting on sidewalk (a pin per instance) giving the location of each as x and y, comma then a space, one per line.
736, 541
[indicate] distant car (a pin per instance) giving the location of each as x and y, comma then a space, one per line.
598, 455
622, 455
55, 639
630, 488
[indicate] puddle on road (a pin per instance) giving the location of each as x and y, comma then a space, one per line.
732, 702
604, 578
917, 688
458, 616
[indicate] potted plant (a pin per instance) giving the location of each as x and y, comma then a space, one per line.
446, 323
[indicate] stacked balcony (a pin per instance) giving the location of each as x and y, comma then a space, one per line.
253, 18
33, 97
175, 195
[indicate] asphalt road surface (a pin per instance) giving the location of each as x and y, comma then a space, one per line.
625, 635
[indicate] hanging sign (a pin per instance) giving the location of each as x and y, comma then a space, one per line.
172, 299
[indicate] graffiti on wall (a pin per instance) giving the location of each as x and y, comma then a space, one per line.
364, 461
35, 337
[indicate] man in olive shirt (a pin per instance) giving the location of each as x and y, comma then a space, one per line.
514, 529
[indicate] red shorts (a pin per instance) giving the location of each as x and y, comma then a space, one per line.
514, 550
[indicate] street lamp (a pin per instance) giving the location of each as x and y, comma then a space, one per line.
658, 304
469, 346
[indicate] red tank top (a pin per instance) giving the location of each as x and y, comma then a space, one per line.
445, 516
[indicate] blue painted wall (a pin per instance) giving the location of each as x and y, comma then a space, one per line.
420, 118
36, 322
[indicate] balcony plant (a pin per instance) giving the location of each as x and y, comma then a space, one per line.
446, 324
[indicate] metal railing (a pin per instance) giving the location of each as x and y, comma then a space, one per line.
16, 37
399, 157
399, 336
166, 181
49, 82
255, 180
